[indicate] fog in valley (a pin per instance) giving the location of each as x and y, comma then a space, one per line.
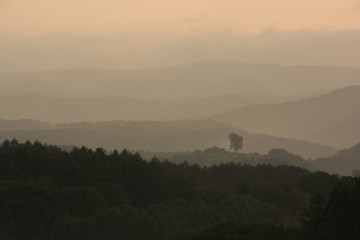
183, 119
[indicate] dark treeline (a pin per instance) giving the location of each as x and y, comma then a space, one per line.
48, 193
215, 156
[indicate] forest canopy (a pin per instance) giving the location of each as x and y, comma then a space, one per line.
48, 193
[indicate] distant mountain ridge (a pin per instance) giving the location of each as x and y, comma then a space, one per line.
343, 134
166, 136
216, 156
56, 109
344, 162
305, 118
174, 139
197, 80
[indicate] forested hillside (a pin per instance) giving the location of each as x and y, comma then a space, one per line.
216, 156
179, 120
47, 193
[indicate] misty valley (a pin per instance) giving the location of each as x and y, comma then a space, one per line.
199, 151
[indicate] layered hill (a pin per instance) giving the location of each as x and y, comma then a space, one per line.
216, 156
61, 109
343, 134
162, 136
345, 162
328, 119
197, 80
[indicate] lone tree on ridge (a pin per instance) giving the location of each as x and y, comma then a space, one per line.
236, 142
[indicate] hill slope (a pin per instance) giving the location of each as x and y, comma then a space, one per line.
345, 162
197, 80
343, 134
299, 119
57, 110
156, 136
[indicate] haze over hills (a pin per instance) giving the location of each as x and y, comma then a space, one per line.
153, 136
58, 110
101, 102
343, 134
197, 80
325, 47
179, 92
216, 156
344, 162
175, 140
312, 119
191, 92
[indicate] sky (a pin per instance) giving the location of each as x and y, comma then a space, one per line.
51, 34
174, 17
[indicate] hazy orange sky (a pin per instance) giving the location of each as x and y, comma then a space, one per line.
38, 17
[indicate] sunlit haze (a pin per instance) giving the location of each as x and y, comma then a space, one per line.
51, 34
38, 17
179, 119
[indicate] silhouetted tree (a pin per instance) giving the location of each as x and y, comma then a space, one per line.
236, 142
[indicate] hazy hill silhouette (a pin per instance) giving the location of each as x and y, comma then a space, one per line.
345, 162
57, 109
302, 119
24, 124
343, 134
195, 80
216, 156
155, 136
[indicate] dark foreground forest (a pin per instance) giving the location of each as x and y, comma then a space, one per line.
48, 193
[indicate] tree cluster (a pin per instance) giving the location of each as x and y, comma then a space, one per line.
47, 193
